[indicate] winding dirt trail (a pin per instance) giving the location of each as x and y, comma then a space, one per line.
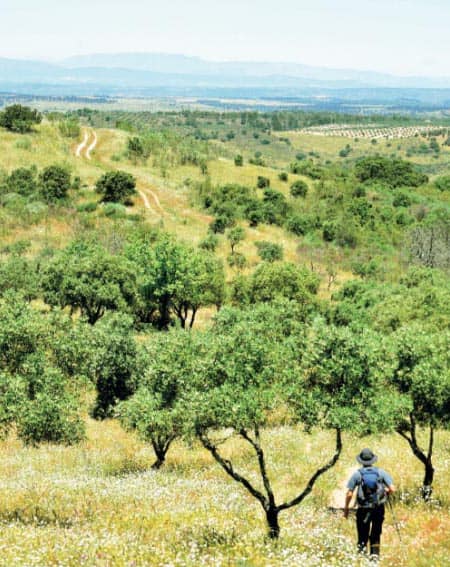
82, 145
146, 202
92, 145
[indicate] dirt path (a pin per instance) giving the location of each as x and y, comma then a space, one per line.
337, 498
146, 202
92, 145
155, 198
82, 145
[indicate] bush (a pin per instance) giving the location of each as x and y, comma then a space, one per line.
69, 128
283, 176
210, 242
402, 200
392, 171
262, 182
299, 188
239, 160
115, 210
116, 187
54, 183
18, 118
22, 181
269, 251
88, 207
299, 224
442, 183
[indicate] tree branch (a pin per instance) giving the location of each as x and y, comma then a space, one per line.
316, 475
256, 444
228, 468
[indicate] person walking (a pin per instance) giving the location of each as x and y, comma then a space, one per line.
374, 485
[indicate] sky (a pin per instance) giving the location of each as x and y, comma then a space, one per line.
403, 37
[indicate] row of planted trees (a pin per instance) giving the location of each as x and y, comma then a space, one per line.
228, 380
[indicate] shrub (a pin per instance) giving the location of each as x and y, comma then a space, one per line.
22, 181
210, 242
283, 176
262, 182
402, 200
442, 183
54, 183
18, 118
299, 188
116, 187
88, 207
269, 251
239, 160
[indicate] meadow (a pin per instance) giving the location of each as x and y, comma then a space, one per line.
100, 504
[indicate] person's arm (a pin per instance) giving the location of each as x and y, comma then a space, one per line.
348, 499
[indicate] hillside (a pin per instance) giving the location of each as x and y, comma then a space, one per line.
204, 317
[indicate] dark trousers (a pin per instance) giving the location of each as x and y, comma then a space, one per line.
369, 523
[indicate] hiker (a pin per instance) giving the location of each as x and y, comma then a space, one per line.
374, 487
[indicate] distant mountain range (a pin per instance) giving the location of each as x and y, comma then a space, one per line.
113, 73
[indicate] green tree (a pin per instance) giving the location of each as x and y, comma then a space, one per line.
18, 118
251, 359
88, 278
421, 377
269, 251
156, 410
235, 236
114, 363
175, 279
116, 187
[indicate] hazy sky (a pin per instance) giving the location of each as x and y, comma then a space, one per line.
399, 36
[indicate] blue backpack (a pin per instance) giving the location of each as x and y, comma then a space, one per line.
371, 489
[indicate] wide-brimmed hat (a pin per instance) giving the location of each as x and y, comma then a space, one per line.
366, 457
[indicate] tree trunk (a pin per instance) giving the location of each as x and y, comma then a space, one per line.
159, 462
272, 522
427, 487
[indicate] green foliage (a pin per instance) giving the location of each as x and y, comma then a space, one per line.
69, 128
299, 188
114, 364
238, 160
283, 176
52, 415
156, 411
392, 171
269, 251
19, 274
271, 281
88, 278
235, 236
442, 183
18, 118
22, 181
262, 182
175, 279
345, 381
402, 200
54, 183
116, 187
